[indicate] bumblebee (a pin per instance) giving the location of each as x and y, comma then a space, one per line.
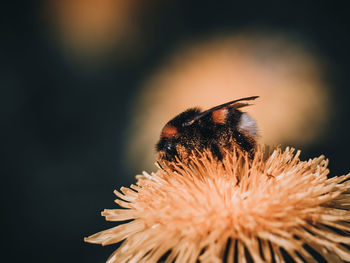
216, 129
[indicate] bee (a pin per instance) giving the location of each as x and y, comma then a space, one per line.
216, 129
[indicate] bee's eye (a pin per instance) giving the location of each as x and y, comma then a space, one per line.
170, 149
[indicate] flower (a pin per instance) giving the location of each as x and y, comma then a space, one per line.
271, 208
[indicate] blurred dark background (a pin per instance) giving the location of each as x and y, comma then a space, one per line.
70, 75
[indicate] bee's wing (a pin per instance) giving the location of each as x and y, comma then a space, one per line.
235, 106
239, 105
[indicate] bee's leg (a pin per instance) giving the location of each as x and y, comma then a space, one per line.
160, 166
214, 148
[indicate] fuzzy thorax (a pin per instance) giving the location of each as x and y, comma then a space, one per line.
269, 207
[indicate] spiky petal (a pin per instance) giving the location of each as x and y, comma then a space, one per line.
231, 211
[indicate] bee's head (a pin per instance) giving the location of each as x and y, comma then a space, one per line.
166, 149
170, 137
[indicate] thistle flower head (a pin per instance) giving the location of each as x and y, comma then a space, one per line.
266, 209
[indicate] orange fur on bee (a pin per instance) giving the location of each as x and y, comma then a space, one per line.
219, 116
169, 131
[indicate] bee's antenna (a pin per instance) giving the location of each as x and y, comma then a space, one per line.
216, 108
